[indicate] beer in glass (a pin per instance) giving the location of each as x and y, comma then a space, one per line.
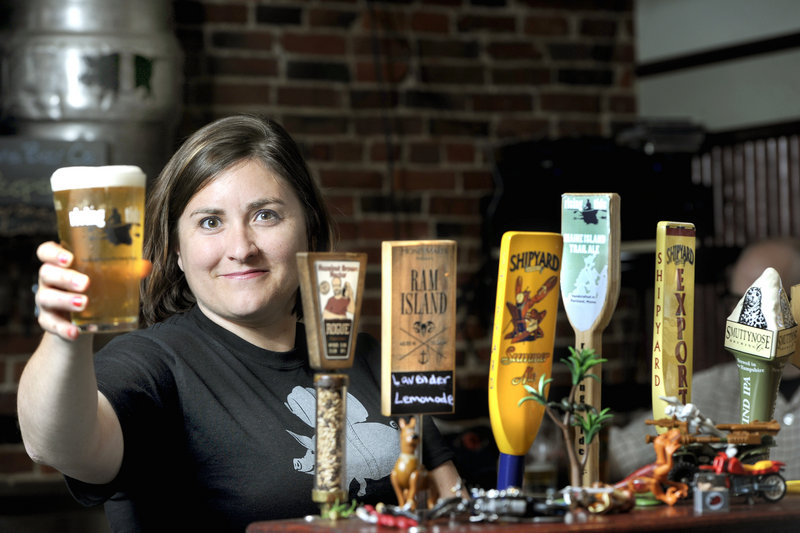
100, 213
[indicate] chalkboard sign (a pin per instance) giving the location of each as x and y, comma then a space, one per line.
418, 301
422, 392
26, 164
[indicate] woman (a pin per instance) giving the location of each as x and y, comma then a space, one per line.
201, 419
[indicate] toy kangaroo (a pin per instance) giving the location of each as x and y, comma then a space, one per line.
409, 476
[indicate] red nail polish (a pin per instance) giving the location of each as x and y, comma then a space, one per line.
77, 302
63, 259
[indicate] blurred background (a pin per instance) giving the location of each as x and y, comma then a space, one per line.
453, 119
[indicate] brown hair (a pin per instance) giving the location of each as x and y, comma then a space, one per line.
203, 156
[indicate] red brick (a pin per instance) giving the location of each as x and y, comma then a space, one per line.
380, 152
495, 24
335, 18
598, 27
460, 153
437, 49
457, 230
405, 205
513, 50
346, 231
357, 179
478, 180
386, 71
395, 48
502, 102
568, 127
17, 344
397, 125
341, 152
546, 25
373, 99
450, 3
450, 205
14, 460
380, 229
521, 76
523, 128
46, 470
626, 77
384, 20
241, 94
315, 124
318, 70
624, 53
16, 370
425, 153
625, 104
340, 205
232, 13
253, 40
424, 180
305, 43
430, 22
309, 96
446, 126
8, 403
570, 102
242, 66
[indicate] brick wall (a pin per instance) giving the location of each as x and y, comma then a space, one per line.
397, 105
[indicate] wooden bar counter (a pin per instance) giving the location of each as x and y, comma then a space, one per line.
761, 517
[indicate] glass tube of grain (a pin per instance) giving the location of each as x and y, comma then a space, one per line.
329, 481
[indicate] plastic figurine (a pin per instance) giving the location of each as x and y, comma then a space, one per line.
696, 421
654, 477
762, 478
573, 415
600, 498
481, 506
702, 440
409, 476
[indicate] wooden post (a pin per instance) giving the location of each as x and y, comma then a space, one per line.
590, 279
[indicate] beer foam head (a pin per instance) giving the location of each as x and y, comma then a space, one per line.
67, 178
765, 304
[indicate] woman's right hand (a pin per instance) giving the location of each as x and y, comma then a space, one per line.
61, 290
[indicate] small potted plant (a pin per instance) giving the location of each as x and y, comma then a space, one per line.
570, 415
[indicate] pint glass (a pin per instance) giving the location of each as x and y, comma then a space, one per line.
100, 213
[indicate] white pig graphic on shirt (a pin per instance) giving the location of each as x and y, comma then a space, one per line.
372, 448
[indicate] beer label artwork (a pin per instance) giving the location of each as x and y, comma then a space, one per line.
418, 319
337, 299
104, 223
590, 274
331, 285
584, 275
523, 335
761, 333
673, 314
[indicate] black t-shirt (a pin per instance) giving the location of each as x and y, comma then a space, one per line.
219, 433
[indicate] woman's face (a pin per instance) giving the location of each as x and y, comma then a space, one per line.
237, 240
